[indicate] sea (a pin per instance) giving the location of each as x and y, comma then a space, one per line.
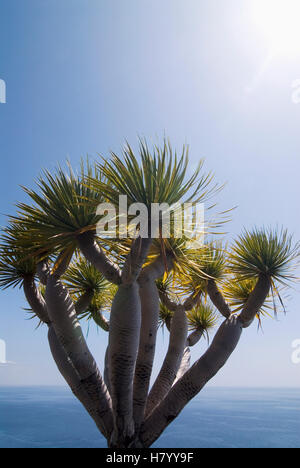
50, 417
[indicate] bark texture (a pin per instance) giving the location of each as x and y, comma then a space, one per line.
68, 331
150, 315
171, 364
95, 255
125, 324
193, 380
256, 300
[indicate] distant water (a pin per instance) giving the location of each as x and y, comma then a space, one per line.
217, 418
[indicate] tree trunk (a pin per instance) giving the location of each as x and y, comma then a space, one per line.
171, 364
72, 378
185, 364
94, 254
35, 299
256, 300
150, 315
69, 334
125, 324
83, 302
193, 380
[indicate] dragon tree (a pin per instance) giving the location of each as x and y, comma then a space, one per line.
130, 286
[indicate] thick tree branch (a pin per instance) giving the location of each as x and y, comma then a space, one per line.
95, 255
192, 301
135, 260
35, 299
69, 334
124, 332
217, 298
194, 337
185, 364
150, 315
171, 364
83, 302
193, 380
43, 271
166, 301
256, 300
72, 378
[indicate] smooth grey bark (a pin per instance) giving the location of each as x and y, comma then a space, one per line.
101, 321
35, 299
217, 299
166, 301
72, 378
185, 364
256, 300
63, 363
192, 301
171, 364
106, 370
191, 341
68, 331
95, 255
193, 380
83, 302
135, 260
43, 271
150, 315
125, 324
194, 337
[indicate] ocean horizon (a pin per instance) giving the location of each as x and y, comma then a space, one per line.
219, 417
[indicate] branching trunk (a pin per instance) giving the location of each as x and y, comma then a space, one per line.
72, 378
217, 299
256, 300
101, 321
68, 331
150, 315
35, 299
83, 302
171, 364
135, 260
192, 340
185, 364
94, 254
106, 370
194, 337
125, 324
193, 380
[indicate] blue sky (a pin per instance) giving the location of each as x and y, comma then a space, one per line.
83, 75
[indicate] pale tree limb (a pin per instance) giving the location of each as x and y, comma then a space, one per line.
82, 304
106, 370
149, 325
256, 300
171, 364
72, 378
35, 299
192, 340
64, 363
217, 298
166, 301
68, 331
194, 337
95, 255
185, 364
43, 271
193, 380
135, 259
124, 332
192, 301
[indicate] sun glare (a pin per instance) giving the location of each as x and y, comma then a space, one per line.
279, 21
